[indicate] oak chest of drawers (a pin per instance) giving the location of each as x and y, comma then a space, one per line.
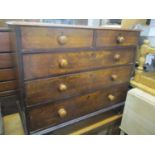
8, 85
69, 73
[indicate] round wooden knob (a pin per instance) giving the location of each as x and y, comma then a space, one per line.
62, 87
62, 112
120, 39
114, 77
117, 57
111, 97
63, 63
62, 40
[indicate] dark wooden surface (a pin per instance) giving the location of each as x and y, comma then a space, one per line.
79, 119
109, 38
45, 90
49, 64
7, 74
8, 85
6, 60
111, 129
8, 93
5, 45
44, 38
90, 72
9, 105
48, 115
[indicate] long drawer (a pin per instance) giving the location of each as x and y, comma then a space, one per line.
8, 85
116, 38
62, 87
6, 60
56, 113
47, 38
7, 74
5, 41
42, 65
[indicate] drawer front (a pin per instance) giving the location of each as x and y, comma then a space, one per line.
42, 65
52, 89
56, 113
89, 122
9, 85
5, 42
116, 37
8, 93
46, 38
7, 74
9, 105
6, 60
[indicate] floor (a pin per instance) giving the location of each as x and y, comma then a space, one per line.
13, 125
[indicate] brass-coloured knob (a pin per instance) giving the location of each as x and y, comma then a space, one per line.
120, 39
63, 63
114, 77
62, 112
117, 57
111, 97
62, 40
62, 87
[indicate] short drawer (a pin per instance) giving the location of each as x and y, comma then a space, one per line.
7, 74
8, 85
5, 42
6, 60
52, 89
56, 113
47, 64
116, 38
47, 38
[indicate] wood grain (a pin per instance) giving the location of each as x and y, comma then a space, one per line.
8, 93
7, 74
46, 38
9, 85
45, 90
5, 42
81, 83
47, 115
6, 60
89, 122
109, 38
42, 65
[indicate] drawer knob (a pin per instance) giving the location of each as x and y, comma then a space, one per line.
62, 40
120, 39
111, 97
63, 63
62, 112
117, 57
114, 77
62, 87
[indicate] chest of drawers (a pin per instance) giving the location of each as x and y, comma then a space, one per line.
70, 73
8, 83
